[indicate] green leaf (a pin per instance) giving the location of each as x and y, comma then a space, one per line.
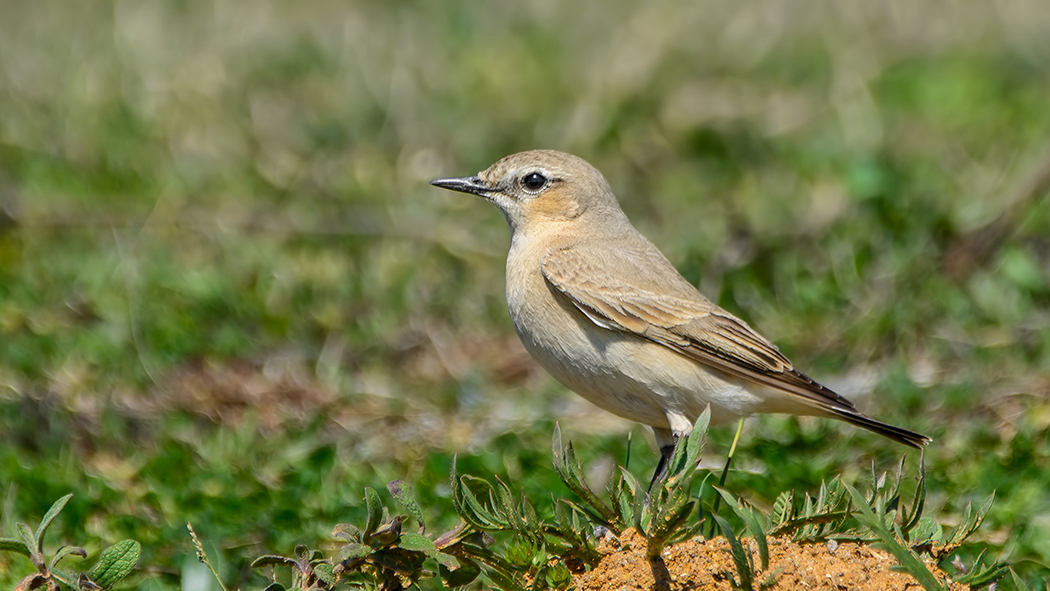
386, 534
16, 546
741, 557
635, 498
559, 576
402, 493
274, 560
506, 506
374, 508
347, 532
81, 582
31, 543
115, 563
751, 519
907, 559
570, 472
467, 571
981, 576
63, 552
532, 520
971, 521
325, 572
783, 510
474, 512
446, 560
698, 435
504, 581
911, 517
667, 524
50, 516
417, 543
352, 551
1019, 582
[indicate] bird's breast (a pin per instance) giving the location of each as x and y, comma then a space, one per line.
585, 358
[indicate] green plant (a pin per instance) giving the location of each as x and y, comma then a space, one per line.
378, 555
114, 563
547, 548
659, 515
839, 512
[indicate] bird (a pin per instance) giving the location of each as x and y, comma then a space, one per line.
608, 315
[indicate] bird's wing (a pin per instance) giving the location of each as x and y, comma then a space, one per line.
683, 320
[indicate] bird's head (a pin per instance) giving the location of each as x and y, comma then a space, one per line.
542, 189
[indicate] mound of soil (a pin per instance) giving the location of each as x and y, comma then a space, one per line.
699, 564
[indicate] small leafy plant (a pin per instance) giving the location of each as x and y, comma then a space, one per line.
114, 563
382, 556
547, 549
658, 515
840, 513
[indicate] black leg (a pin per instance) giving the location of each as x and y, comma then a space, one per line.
661, 467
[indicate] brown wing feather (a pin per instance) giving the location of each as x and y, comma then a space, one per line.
693, 327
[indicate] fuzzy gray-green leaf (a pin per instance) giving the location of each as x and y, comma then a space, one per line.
352, 551
446, 560
417, 543
32, 544
326, 573
50, 516
16, 546
64, 552
402, 493
273, 560
374, 509
347, 532
115, 563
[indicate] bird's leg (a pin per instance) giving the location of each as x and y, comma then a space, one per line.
667, 439
661, 467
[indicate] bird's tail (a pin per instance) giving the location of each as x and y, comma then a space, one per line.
909, 438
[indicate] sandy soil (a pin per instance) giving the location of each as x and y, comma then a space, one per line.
699, 564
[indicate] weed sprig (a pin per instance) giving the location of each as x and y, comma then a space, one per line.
114, 563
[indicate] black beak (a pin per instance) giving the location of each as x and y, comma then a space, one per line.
463, 184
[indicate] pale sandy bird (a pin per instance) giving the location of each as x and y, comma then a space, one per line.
608, 315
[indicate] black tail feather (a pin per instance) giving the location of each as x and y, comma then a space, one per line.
909, 438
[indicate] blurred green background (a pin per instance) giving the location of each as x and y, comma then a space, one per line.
228, 295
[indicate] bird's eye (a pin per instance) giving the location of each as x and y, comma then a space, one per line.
533, 182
